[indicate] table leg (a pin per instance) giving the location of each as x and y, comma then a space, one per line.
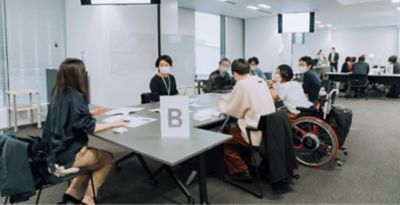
202, 180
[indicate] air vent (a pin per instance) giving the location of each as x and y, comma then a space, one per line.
264, 11
354, 2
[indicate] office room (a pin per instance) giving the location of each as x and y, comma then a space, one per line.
199, 101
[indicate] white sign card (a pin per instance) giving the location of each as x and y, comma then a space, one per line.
175, 119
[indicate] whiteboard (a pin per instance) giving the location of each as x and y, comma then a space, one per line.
182, 51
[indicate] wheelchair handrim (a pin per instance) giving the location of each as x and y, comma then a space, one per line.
329, 131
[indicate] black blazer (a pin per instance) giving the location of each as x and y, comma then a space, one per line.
277, 145
335, 58
158, 88
345, 67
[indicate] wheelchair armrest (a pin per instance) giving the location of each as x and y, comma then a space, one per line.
307, 109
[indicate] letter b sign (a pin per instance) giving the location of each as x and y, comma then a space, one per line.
175, 120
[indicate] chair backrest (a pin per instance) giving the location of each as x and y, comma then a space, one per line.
358, 80
330, 100
145, 98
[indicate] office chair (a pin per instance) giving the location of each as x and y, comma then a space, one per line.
358, 85
145, 98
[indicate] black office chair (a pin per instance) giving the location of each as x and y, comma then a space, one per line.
358, 85
145, 98
257, 156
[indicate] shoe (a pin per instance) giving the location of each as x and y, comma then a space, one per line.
392, 96
70, 199
242, 177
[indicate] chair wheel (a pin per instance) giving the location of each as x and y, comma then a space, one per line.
339, 162
345, 152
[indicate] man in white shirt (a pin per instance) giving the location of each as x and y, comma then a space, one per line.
290, 92
250, 99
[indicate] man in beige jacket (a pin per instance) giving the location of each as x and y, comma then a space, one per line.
250, 99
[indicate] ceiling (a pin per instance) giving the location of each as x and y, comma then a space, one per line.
339, 13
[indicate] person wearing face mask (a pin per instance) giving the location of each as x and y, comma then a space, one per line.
288, 91
311, 81
248, 101
394, 90
255, 70
163, 83
220, 79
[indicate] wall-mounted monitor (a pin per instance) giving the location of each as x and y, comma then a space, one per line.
118, 2
296, 22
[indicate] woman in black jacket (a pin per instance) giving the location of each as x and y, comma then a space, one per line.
68, 124
163, 83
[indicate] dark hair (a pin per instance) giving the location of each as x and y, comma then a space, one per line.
163, 58
392, 59
348, 58
286, 72
361, 58
224, 60
254, 60
240, 66
353, 59
333, 48
71, 75
307, 60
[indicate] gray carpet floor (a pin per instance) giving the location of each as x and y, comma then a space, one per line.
370, 174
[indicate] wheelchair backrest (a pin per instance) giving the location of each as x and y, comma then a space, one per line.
330, 100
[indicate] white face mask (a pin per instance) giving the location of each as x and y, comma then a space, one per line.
278, 78
303, 69
223, 69
165, 69
253, 67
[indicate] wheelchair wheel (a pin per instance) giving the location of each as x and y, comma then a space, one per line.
316, 143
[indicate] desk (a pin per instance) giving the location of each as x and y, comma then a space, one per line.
373, 78
145, 140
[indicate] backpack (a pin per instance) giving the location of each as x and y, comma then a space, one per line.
340, 119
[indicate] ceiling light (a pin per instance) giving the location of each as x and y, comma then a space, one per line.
318, 22
398, 8
328, 25
264, 6
395, 1
334, 28
252, 7
99, 2
321, 26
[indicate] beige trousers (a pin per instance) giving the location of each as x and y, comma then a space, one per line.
99, 161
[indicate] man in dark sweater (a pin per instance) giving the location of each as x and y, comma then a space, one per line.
361, 67
311, 82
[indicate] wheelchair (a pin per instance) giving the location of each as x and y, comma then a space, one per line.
316, 143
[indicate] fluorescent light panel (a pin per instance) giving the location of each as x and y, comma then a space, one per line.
264, 6
398, 8
395, 1
252, 7
120, 1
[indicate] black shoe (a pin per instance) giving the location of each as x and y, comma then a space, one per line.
242, 177
392, 96
70, 199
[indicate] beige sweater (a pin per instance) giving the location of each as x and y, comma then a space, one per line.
249, 100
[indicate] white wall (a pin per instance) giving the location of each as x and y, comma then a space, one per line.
234, 38
382, 42
262, 40
186, 21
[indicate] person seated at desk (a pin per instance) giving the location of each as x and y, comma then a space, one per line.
290, 92
220, 78
255, 70
394, 90
67, 127
163, 83
311, 82
361, 67
347, 65
249, 100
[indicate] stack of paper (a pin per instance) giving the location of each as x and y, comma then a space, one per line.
133, 121
206, 114
124, 110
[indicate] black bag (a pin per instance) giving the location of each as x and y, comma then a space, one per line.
340, 119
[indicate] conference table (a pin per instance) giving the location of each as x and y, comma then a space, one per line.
386, 79
146, 140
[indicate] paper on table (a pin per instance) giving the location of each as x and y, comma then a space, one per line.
157, 110
133, 121
206, 114
194, 105
124, 110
